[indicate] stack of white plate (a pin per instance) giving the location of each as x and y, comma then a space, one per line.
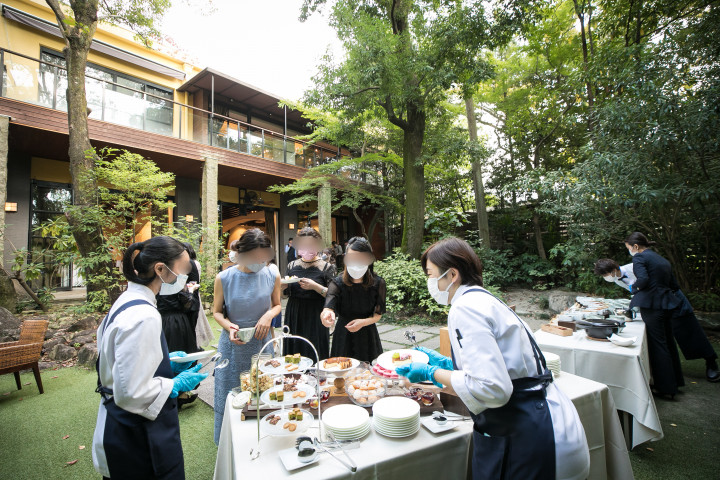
347, 422
553, 362
396, 417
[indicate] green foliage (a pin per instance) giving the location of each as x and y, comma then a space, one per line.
443, 222
407, 286
705, 302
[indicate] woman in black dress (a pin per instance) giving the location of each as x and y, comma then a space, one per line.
356, 301
307, 297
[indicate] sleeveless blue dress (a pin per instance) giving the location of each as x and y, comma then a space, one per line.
247, 298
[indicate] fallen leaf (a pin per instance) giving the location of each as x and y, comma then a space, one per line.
673, 425
28, 383
81, 447
650, 449
72, 462
693, 382
6, 394
54, 376
66, 437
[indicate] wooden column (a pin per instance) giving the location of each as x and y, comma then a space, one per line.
210, 239
325, 213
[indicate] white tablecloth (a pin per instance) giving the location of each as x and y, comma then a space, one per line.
625, 370
425, 455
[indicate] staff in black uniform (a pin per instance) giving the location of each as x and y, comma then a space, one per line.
685, 326
655, 295
137, 435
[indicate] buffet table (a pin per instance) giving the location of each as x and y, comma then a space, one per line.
625, 370
423, 455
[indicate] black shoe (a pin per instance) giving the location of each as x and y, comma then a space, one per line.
665, 396
712, 375
189, 398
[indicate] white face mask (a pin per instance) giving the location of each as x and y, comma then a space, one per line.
441, 297
233, 256
357, 271
632, 254
610, 278
175, 287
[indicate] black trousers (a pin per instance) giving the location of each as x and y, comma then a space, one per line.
689, 334
664, 358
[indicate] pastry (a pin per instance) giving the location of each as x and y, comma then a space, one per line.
292, 427
291, 367
272, 363
291, 415
286, 425
399, 359
296, 359
288, 358
274, 420
337, 362
273, 396
280, 396
299, 415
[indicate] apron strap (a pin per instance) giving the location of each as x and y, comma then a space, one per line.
104, 391
543, 375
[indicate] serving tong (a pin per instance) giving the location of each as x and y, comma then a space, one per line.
305, 442
410, 335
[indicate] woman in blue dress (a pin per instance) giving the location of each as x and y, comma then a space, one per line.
246, 295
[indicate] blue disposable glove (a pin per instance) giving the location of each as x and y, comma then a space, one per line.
187, 380
437, 359
419, 372
176, 366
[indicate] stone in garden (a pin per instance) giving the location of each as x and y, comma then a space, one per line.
88, 355
9, 324
85, 333
49, 344
49, 333
83, 339
61, 353
84, 323
46, 365
8, 297
560, 301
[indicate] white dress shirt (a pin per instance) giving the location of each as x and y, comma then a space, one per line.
491, 349
130, 353
627, 277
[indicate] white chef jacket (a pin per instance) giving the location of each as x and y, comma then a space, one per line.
627, 277
130, 353
492, 349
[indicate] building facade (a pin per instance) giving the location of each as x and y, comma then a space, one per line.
152, 103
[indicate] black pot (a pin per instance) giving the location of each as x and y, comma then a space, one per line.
600, 328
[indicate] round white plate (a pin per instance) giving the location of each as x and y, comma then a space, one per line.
385, 360
396, 408
386, 433
354, 436
353, 364
288, 400
304, 364
287, 281
345, 417
278, 430
191, 357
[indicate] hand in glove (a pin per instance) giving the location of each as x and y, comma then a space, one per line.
178, 367
418, 372
436, 359
187, 380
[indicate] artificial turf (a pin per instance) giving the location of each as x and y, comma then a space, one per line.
33, 427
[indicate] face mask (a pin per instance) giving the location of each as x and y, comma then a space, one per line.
324, 256
610, 278
632, 254
441, 297
357, 271
175, 287
307, 255
255, 267
233, 256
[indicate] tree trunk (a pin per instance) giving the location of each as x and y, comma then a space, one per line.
482, 216
538, 236
325, 213
414, 181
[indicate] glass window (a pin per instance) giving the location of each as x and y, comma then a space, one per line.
49, 202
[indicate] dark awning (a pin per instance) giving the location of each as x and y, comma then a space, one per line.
249, 97
97, 46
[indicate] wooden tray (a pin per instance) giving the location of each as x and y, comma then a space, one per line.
343, 399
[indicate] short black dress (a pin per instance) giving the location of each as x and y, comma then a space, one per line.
179, 314
302, 313
350, 303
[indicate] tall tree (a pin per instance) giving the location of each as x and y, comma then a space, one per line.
78, 22
402, 56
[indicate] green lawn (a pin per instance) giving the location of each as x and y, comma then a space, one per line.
32, 428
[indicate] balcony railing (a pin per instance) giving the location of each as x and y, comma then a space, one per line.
44, 83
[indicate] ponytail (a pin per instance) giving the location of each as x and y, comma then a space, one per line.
637, 238
139, 267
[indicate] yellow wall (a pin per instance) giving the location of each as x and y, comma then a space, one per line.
23, 81
50, 170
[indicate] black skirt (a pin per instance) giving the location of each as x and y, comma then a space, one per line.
363, 345
179, 332
302, 316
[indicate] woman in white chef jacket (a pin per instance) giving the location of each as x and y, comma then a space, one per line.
137, 435
525, 427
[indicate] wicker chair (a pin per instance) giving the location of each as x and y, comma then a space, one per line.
25, 353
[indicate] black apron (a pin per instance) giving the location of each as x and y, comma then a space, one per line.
516, 441
135, 447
